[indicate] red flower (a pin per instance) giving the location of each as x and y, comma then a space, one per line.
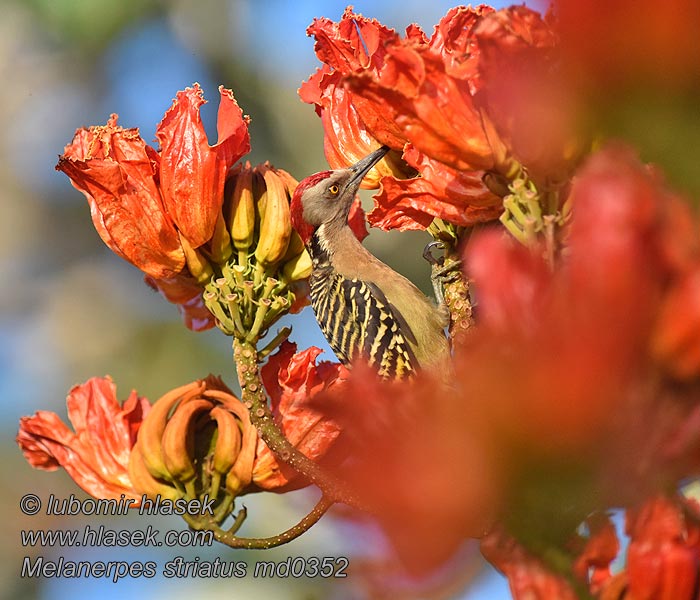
414, 95
96, 454
525, 92
421, 463
155, 208
676, 339
292, 380
528, 577
632, 41
663, 559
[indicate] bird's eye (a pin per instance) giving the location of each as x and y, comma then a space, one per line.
334, 189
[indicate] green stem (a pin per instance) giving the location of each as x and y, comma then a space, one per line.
272, 345
228, 537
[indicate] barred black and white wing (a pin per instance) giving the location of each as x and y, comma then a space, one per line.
359, 321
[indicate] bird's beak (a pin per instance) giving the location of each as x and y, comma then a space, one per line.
362, 167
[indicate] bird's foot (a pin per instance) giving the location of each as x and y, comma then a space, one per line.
441, 271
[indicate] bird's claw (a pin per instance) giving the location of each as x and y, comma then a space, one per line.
428, 253
441, 272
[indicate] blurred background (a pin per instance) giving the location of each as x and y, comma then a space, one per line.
70, 309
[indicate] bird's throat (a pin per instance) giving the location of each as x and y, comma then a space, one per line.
318, 249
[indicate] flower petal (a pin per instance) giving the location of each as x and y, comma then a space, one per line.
97, 455
459, 197
193, 173
527, 575
522, 89
292, 380
346, 138
433, 110
454, 41
117, 172
663, 554
355, 42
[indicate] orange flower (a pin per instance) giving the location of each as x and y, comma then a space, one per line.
193, 173
117, 172
96, 454
632, 41
527, 95
663, 558
528, 577
155, 209
292, 380
411, 203
346, 139
142, 201
377, 88
197, 437
433, 109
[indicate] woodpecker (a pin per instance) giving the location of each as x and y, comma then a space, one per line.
364, 308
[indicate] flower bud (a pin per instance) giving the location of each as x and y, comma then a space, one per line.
151, 432
143, 481
275, 222
177, 440
298, 268
241, 218
296, 247
249, 291
199, 443
227, 442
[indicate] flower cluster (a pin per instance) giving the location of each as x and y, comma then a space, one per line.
185, 216
577, 392
196, 440
442, 104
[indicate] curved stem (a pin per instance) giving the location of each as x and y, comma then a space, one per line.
253, 395
228, 537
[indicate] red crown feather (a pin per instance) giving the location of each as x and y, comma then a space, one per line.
296, 210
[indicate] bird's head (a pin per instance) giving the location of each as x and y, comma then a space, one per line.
326, 197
